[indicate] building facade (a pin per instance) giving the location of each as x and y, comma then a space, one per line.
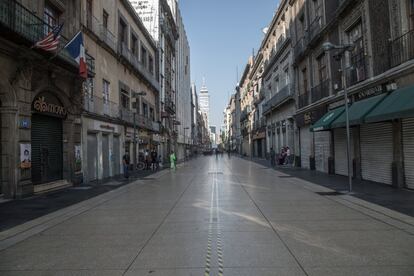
279, 92
204, 102
159, 17
378, 72
41, 99
183, 94
121, 101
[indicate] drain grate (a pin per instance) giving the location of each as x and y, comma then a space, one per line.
81, 188
215, 172
329, 193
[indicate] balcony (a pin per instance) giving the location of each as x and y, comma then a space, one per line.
283, 95
303, 100
300, 47
320, 91
133, 60
402, 49
104, 35
25, 28
101, 107
315, 27
98, 106
169, 105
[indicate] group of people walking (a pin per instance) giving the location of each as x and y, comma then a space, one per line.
282, 158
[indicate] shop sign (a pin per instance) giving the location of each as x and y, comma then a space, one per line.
46, 105
374, 91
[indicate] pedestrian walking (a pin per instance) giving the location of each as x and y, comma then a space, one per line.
154, 159
125, 163
287, 162
173, 160
272, 157
147, 159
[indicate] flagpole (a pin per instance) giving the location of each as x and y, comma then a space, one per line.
59, 51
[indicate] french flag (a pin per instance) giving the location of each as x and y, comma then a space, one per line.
76, 49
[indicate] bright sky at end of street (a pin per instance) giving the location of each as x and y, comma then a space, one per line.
222, 36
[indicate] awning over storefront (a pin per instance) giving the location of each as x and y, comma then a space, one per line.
357, 111
398, 105
325, 122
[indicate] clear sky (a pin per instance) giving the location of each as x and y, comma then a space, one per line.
222, 35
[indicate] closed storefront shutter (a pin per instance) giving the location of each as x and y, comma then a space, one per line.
408, 144
305, 146
322, 145
105, 155
47, 149
341, 159
116, 157
92, 155
377, 152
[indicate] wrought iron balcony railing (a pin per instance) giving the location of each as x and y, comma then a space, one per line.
132, 59
19, 23
280, 97
320, 91
315, 27
402, 49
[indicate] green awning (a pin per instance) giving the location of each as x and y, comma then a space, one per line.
325, 122
399, 104
357, 111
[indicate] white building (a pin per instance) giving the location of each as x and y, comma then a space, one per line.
204, 99
183, 93
152, 13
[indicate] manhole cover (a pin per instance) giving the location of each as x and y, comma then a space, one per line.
329, 193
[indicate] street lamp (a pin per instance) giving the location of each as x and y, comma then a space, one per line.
136, 95
342, 49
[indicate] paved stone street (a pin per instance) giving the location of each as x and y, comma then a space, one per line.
214, 216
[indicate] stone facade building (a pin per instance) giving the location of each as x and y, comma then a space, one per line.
41, 99
303, 86
121, 101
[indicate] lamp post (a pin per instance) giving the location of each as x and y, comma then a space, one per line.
137, 95
342, 49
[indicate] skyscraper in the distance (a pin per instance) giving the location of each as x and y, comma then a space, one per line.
204, 99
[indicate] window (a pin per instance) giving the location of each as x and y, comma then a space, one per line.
51, 17
357, 56
304, 89
134, 45
105, 91
152, 114
105, 17
287, 80
89, 87
150, 64
89, 14
144, 56
122, 32
145, 110
125, 100
277, 84
321, 62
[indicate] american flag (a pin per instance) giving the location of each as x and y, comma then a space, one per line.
51, 42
